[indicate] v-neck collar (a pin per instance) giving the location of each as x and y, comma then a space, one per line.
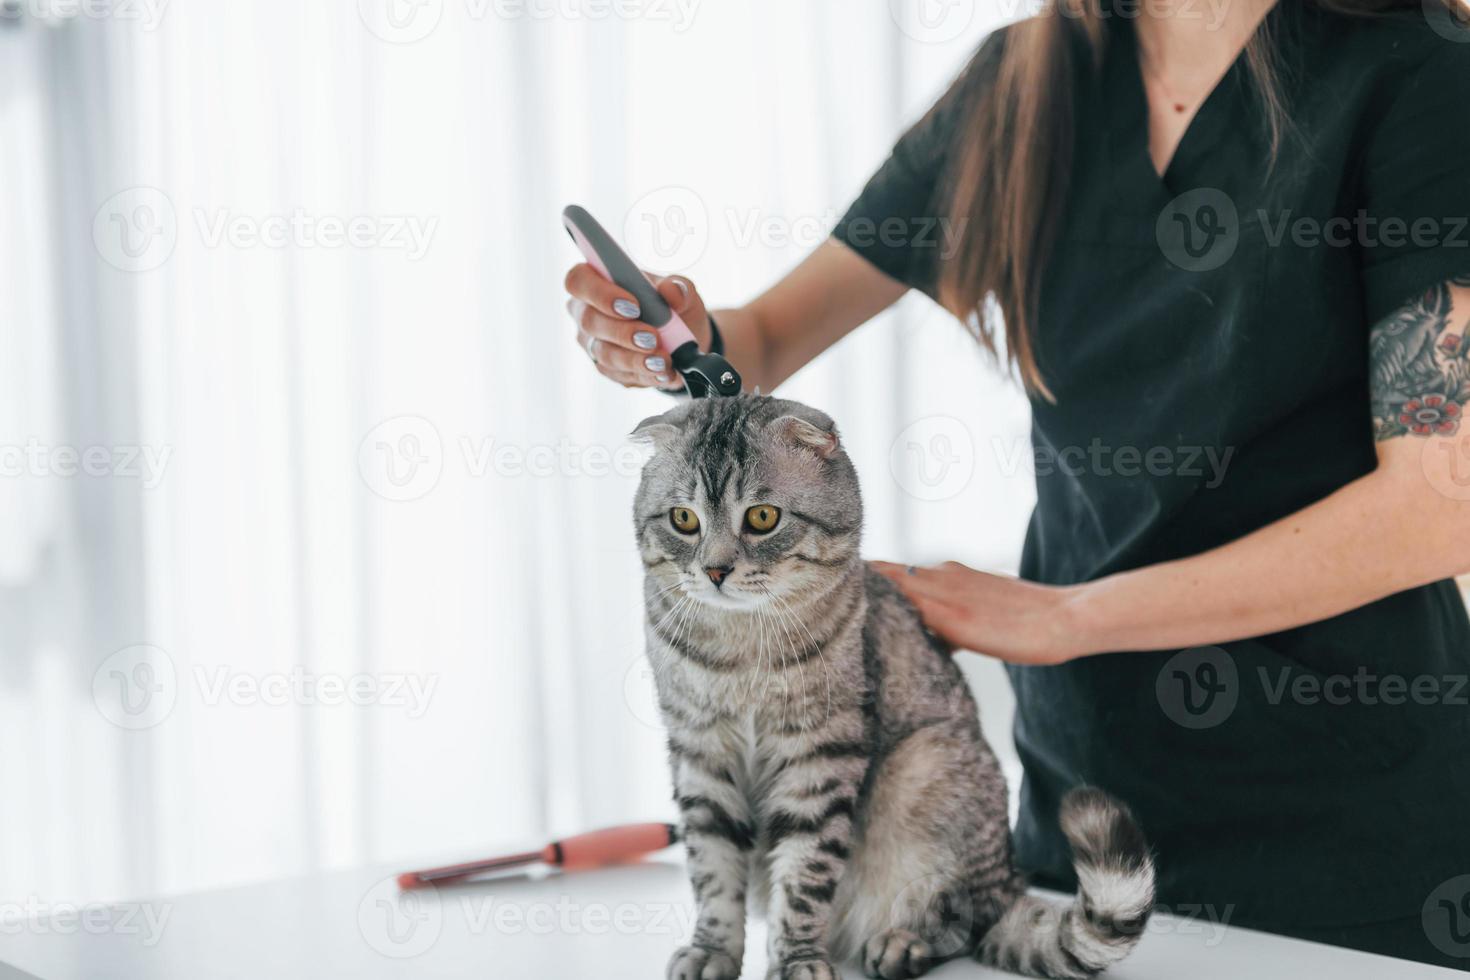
1130, 133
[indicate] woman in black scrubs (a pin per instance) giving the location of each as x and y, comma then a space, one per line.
1233, 258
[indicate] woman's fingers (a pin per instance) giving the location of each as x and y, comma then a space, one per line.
648, 369
944, 618
913, 581
609, 330
911, 577
586, 284
685, 300
631, 335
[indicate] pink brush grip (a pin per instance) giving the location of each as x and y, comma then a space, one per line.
675, 333
609, 846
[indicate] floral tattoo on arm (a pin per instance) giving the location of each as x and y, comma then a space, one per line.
1419, 364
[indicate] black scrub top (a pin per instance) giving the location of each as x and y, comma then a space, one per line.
1205, 388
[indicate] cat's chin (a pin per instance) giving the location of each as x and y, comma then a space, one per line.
730, 601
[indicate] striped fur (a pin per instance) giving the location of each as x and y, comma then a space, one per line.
826, 755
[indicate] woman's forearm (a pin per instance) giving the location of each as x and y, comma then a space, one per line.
1387, 532
826, 297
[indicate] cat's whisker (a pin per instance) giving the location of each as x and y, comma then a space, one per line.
784, 642
769, 672
672, 609
760, 658
821, 654
679, 583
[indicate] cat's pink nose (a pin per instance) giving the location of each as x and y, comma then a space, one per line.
717, 573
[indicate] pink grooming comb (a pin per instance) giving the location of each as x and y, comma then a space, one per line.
608, 846
705, 375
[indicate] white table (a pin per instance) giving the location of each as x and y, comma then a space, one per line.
609, 924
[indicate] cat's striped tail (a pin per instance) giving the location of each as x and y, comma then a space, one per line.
1115, 894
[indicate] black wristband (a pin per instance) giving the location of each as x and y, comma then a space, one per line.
716, 342
716, 346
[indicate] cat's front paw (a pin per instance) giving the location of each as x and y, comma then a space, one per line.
803, 970
698, 963
896, 955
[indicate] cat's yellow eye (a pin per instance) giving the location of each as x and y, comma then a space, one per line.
684, 520
762, 518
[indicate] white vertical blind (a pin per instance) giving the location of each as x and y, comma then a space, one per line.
383, 472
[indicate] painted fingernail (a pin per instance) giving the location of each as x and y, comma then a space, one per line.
654, 364
663, 379
645, 339
626, 308
683, 286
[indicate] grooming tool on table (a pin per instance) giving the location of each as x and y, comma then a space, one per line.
609, 846
704, 374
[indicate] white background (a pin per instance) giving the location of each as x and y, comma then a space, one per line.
143, 155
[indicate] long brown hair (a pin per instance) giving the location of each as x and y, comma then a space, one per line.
1007, 179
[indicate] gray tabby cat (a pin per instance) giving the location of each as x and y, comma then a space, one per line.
827, 755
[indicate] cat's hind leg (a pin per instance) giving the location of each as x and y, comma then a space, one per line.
931, 867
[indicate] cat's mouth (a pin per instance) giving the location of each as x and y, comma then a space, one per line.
737, 591
730, 596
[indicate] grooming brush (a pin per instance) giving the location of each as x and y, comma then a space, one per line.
704, 374
609, 846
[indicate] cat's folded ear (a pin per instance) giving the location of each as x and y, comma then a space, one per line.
659, 430
812, 430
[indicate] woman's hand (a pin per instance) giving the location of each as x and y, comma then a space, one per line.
1015, 621
621, 346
